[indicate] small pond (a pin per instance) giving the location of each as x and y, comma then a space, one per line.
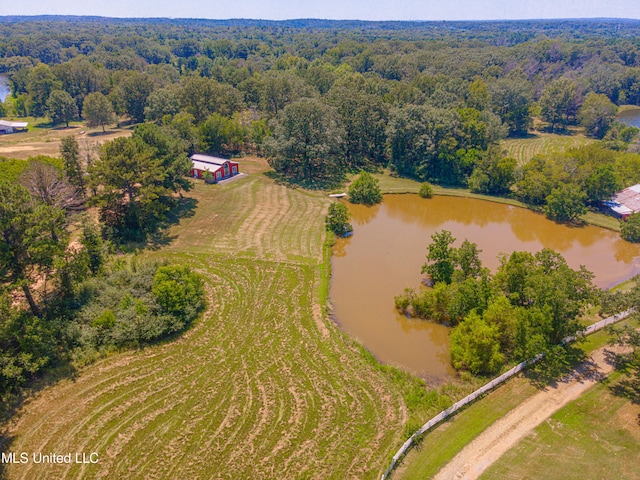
388, 248
630, 117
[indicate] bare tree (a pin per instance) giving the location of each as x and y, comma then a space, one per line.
50, 186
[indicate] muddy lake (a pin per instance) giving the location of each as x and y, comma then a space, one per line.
388, 248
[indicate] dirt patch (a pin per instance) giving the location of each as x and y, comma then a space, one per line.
629, 419
491, 444
46, 141
15, 149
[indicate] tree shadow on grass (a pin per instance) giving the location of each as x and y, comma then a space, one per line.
520, 136
159, 237
62, 127
564, 131
11, 403
560, 366
5, 447
629, 385
185, 208
628, 364
101, 133
323, 183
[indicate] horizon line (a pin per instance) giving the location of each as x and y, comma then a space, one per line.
537, 19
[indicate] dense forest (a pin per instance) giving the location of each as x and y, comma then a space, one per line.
428, 99
318, 99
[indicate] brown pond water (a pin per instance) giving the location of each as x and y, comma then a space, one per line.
388, 248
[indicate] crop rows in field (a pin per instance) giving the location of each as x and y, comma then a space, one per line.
524, 149
254, 217
261, 387
258, 389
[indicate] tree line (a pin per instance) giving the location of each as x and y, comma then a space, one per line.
319, 99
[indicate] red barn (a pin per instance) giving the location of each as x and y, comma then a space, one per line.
220, 168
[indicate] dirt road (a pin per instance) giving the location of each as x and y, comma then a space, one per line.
491, 444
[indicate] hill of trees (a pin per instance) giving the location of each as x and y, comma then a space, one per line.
428, 99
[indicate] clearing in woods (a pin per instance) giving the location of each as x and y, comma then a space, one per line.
261, 387
254, 217
524, 149
42, 140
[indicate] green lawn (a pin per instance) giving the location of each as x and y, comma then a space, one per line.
594, 437
443, 443
440, 445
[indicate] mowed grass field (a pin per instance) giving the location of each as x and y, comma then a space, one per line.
262, 386
524, 149
254, 217
594, 437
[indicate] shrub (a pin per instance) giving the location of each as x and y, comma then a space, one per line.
337, 220
426, 190
207, 176
365, 190
130, 307
178, 290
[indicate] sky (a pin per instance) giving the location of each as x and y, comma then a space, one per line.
332, 9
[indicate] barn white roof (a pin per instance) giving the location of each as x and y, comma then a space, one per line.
197, 157
7, 123
205, 166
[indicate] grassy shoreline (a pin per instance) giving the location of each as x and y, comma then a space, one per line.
400, 185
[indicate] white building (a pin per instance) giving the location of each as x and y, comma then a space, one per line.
626, 202
12, 127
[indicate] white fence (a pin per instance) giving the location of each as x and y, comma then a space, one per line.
489, 386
